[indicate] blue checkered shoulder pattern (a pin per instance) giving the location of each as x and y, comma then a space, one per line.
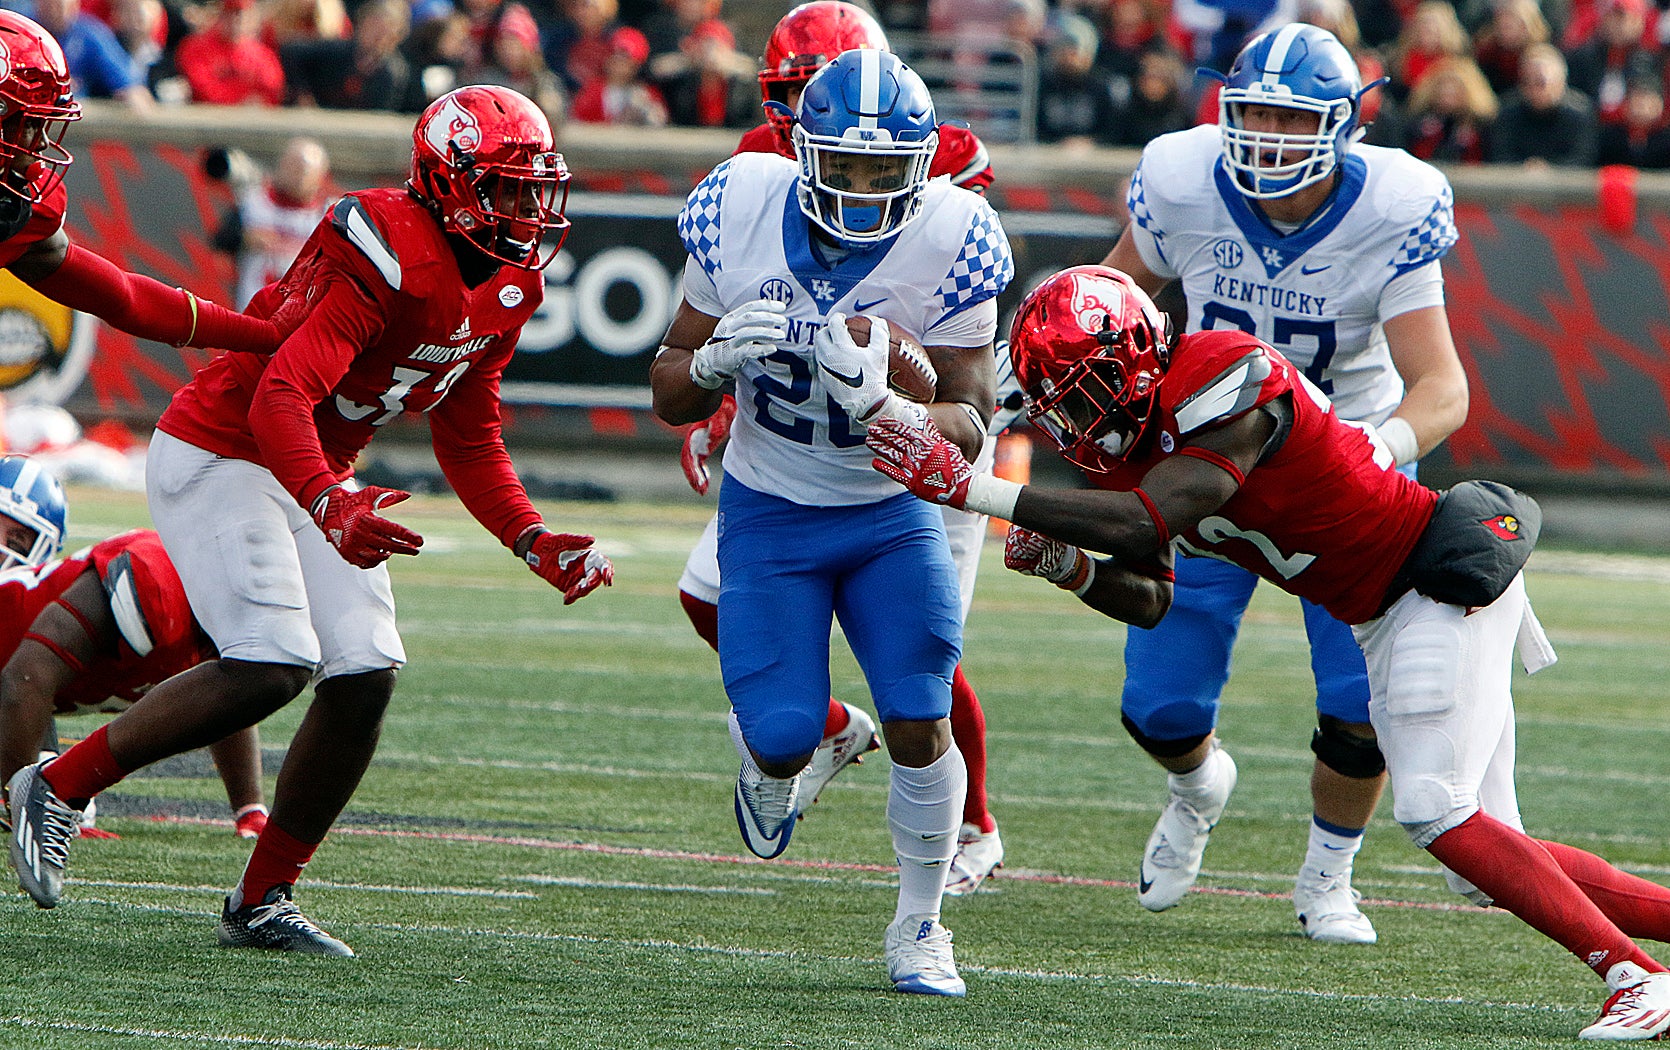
698, 222
1136, 202
1435, 235
983, 268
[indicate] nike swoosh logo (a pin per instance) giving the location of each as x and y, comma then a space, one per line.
859, 307
853, 381
1144, 885
1307, 271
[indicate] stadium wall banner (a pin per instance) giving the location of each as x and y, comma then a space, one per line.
1564, 327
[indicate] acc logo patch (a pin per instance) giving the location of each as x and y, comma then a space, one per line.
1227, 253
44, 347
1167, 442
1504, 526
510, 295
778, 289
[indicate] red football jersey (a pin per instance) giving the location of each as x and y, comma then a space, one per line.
961, 154
157, 636
403, 333
1322, 518
45, 219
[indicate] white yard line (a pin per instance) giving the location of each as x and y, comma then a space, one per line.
178, 1036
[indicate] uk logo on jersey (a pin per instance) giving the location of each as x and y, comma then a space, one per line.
1227, 253
777, 289
823, 291
1273, 258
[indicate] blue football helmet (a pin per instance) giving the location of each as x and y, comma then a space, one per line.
865, 136
1295, 67
31, 496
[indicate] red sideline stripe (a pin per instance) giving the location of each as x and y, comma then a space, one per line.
814, 865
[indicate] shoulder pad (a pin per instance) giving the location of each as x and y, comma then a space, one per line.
351, 218
1237, 387
962, 156
122, 589
984, 266
698, 220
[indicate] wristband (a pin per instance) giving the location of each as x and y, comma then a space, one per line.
1399, 438
1089, 577
529, 534
191, 300
1081, 573
992, 496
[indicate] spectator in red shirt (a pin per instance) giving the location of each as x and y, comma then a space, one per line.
1430, 35
514, 60
1450, 113
1514, 26
579, 46
226, 63
708, 83
1641, 139
1601, 65
620, 96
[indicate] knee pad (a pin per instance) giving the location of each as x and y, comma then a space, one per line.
1344, 752
1162, 748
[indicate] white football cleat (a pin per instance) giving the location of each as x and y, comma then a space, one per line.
979, 854
1171, 863
844, 749
1637, 1010
919, 957
766, 809
1327, 909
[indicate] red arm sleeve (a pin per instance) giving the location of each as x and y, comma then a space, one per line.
149, 309
345, 320
466, 429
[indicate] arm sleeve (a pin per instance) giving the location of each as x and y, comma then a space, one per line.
466, 429
140, 306
345, 320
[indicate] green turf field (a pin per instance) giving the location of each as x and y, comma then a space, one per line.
544, 855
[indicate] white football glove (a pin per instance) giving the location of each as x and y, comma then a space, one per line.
745, 333
856, 376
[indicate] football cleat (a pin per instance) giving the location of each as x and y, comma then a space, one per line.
766, 808
979, 854
919, 957
248, 822
1638, 1008
42, 826
275, 924
1171, 863
846, 748
1328, 911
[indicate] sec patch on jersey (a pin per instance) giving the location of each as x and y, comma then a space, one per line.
909, 373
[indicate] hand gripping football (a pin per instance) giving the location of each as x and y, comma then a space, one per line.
909, 372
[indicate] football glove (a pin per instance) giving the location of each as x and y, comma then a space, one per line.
747, 332
855, 376
350, 522
566, 561
1034, 554
920, 459
700, 441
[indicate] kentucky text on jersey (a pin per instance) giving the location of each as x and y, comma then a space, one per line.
1273, 296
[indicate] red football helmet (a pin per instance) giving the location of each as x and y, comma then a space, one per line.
1089, 348
35, 108
804, 41
482, 160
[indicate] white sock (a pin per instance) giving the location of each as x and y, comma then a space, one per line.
1197, 784
924, 811
1331, 854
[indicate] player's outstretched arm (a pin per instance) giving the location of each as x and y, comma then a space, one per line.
59, 645
83, 280
1435, 383
1138, 594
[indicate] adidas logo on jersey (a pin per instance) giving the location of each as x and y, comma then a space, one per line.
461, 334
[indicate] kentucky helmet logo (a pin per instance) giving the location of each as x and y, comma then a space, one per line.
1505, 526
452, 125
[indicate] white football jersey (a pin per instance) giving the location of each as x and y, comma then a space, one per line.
1319, 293
748, 239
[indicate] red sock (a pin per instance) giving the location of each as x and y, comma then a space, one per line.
279, 858
968, 729
1638, 907
704, 617
1523, 878
836, 720
85, 769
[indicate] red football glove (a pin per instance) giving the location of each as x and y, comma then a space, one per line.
1035, 554
350, 521
920, 459
702, 439
568, 563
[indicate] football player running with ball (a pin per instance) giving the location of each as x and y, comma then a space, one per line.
92, 632
1279, 226
1220, 445
803, 42
415, 299
780, 253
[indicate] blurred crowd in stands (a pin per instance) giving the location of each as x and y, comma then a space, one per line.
1570, 83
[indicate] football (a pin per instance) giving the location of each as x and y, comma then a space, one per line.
909, 373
